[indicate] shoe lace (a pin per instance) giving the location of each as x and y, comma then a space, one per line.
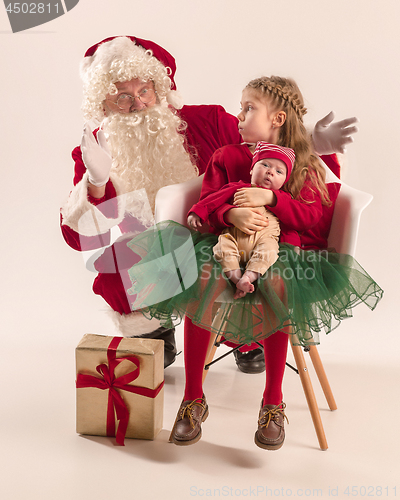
188, 410
272, 414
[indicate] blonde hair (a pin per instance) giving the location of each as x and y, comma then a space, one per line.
284, 95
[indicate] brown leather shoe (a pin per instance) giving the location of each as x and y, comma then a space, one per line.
270, 434
187, 427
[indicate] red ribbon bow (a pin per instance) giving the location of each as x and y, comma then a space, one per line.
116, 404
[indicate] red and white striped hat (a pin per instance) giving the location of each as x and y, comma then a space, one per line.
266, 150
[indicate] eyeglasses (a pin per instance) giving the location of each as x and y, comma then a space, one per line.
126, 101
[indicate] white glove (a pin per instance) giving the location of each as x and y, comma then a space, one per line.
96, 156
332, 137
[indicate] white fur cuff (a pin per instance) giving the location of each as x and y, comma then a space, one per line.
86, 219
134, 324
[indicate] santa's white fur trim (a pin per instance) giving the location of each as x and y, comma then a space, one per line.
86, 219
175, 99
85, 65
134, 324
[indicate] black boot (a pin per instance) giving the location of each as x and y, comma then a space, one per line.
251, 361
168, 336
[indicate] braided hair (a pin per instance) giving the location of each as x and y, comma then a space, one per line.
283, 94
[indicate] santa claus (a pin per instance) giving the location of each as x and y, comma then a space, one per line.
145, 139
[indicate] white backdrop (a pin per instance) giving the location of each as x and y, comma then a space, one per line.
344, 56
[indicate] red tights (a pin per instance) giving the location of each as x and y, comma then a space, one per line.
196, 343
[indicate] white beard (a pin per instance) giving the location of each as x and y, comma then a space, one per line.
148, 153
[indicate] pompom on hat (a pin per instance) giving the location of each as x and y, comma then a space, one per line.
265, 150
124, 58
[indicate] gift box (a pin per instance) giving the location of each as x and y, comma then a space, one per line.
119, 387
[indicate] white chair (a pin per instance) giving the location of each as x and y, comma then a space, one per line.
173, 203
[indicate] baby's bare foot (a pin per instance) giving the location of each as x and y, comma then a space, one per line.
244, 285
239, 294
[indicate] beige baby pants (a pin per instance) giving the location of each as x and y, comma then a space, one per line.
259, 250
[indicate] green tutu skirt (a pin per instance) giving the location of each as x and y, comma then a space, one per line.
303, 293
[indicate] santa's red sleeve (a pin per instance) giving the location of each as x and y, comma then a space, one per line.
209, 127
332, 162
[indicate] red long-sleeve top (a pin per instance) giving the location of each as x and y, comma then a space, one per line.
306, 215
212, 203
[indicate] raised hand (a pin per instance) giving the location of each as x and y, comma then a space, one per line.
332, 137
96, 156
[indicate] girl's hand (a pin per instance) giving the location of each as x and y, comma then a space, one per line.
253, 197
248, 220
194, 221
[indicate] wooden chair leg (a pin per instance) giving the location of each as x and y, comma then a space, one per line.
310, 396
304, 377
210, 352
217, 322
323, 379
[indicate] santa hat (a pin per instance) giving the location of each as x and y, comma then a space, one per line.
265, 150
124, 58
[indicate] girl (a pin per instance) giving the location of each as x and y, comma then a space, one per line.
272, 111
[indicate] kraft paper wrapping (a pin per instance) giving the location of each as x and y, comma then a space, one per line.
145, 413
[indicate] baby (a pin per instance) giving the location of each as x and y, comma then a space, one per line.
270, 169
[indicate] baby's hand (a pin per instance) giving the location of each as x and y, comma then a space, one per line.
194, 221
248, 220
252, 197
